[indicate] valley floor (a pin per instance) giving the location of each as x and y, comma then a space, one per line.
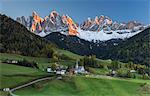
69, 85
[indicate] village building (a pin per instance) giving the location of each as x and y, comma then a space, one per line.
79, 69
113, 73
60, 70
6, 89
12, 61
132, 71
49, 69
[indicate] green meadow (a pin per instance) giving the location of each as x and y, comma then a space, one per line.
85, 86
13, 75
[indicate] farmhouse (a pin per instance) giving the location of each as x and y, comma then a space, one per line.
49, 69
11, 61
113, 73
6, 89
132, 71
60, 70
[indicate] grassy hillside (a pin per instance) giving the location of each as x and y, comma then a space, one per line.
84, 86
42, 62
12, 75
70, 54
136, 49
4, 56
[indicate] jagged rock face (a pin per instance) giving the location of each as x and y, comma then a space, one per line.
107, 24
97, 24
18, 19
132, 24
99, 28
29, 22
52, 23
37, 23
22, 20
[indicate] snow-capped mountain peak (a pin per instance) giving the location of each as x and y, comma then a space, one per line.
104, 36
52, 23
99, 28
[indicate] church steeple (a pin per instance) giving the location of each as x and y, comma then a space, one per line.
77, 65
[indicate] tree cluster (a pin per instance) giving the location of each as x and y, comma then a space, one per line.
23, 62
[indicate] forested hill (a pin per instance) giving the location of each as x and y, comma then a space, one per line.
136, 49
15, 38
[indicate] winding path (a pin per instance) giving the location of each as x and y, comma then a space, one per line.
30, 83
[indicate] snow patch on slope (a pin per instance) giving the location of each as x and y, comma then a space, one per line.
42, 34
103, 36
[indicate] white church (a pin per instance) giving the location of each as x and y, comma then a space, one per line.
79, 69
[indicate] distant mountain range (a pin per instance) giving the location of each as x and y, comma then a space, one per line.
101, 28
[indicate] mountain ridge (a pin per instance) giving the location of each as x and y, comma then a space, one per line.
103, 27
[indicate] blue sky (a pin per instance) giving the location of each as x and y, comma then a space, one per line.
80, 10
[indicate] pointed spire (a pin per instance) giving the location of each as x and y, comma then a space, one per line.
34, 13
77, 65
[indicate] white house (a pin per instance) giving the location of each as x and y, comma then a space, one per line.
112, 72
6, 89
132, 71
49, 69
12, 61
61, 72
